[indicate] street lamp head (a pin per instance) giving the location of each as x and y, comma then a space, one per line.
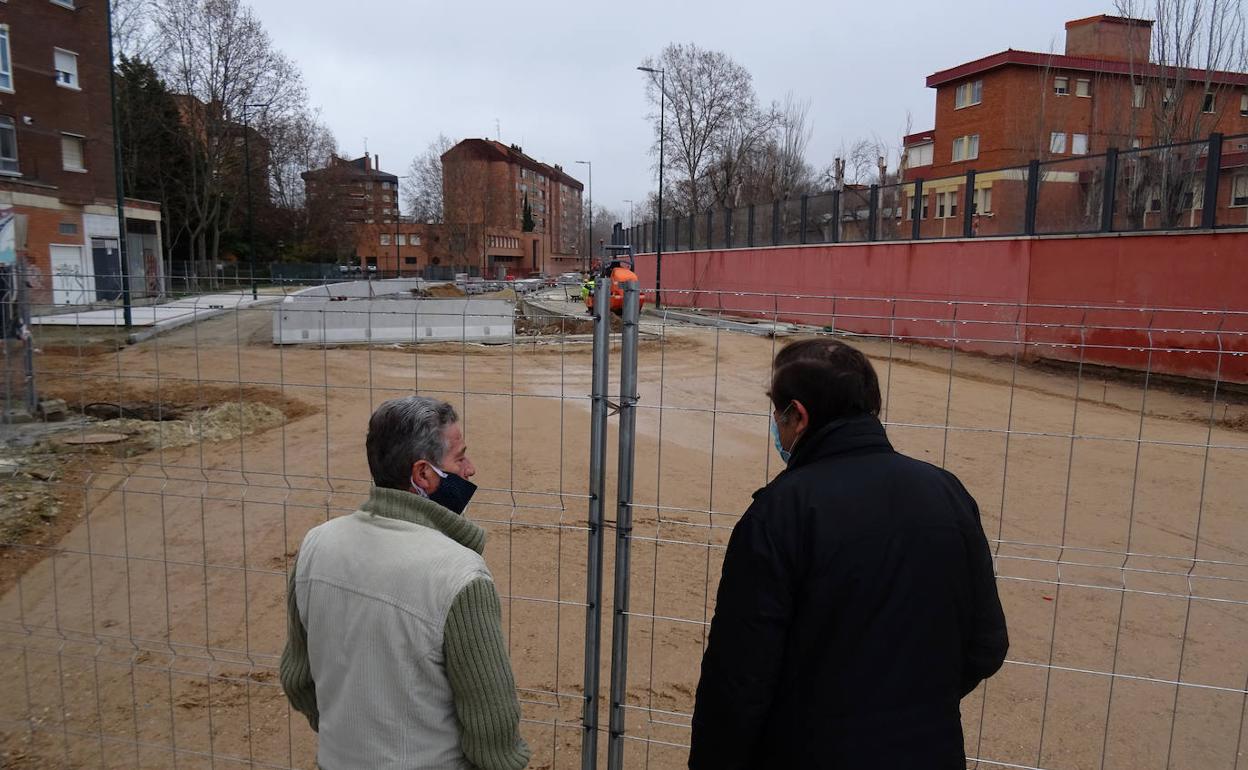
651, 70
583, 162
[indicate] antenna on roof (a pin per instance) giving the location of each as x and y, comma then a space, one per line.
498, 130
366, 145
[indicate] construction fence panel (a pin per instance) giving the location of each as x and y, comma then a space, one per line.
148, 534
1111, 492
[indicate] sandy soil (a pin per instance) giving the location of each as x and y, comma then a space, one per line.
1119, 514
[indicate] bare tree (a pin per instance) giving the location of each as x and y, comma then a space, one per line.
423, 185
1191, 41
741, 156
134, 34
707, 94
221, 63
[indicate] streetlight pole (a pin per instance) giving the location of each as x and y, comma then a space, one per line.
251, 220
589, 240
658, 250
630, 213
398, 255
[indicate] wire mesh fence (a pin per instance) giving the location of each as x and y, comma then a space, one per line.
142, 586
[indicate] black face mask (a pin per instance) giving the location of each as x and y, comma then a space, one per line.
453, 492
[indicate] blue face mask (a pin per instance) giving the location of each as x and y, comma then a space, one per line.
775, 437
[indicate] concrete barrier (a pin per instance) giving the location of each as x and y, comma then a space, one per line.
316, 320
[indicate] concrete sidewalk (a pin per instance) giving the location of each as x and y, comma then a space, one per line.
156, 319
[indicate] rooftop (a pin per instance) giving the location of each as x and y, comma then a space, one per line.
1011, 57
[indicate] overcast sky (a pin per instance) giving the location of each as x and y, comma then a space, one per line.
559, 77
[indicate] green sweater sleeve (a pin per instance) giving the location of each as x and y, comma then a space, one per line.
481, 680
295, 671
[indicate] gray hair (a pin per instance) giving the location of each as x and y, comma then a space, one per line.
402, 431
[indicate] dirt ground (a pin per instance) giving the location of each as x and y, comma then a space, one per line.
150, 638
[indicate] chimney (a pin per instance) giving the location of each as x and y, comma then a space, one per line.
1112, 38
377, 162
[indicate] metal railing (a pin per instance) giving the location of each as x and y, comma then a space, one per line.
1136, 190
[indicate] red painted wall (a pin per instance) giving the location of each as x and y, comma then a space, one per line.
1171, 303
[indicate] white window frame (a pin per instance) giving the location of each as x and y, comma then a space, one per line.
74, 84
64, 3
1057, 143
1083, 88
6, 61
1209, 103
1243, 105
413, 240
384, 240
968, 94
1078, 144
1239, 183
966, 148
16, 159
1061, 85
1137, 143
82, 152
983, 200
1168, 99
400, 239
1138, 95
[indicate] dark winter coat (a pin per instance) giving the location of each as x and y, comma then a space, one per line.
856, 608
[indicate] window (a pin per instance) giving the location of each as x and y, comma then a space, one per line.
946, 204
966, 147
1137, 143
66, 65
1169, 96
923, 213
1239, 190
73, 152
1243, 106
67, 228
6, 62
1209, 103
8, 146
1137, 95
64, 3
413, 240
1057, 142
1061, 86
1083, 87
400, 239
969, 93
409, 260
385, 185
1078, 144
983, 200
385, 239
919, 155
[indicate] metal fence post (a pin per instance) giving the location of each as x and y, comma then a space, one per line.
1109, 183
675, 233
1033, 196
1213, 171
805, 209
775, 223
710, 228
968, 207
623, 525
916, 211
597, 495
749, 226
836, 216
727, 228
693, 222
873, 213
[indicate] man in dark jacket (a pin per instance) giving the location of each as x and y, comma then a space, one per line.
857, 604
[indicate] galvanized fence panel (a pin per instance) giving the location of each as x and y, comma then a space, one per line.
1106, 448
147, 536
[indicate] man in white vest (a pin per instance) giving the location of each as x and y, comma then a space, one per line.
395, 648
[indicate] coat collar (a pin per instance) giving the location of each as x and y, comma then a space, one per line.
863, 433
415, 509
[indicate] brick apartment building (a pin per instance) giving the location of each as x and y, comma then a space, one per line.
359, 189
485, 186
1005, 110
57, 187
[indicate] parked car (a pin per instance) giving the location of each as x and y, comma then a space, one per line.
527, 285
547, 281
570, 279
